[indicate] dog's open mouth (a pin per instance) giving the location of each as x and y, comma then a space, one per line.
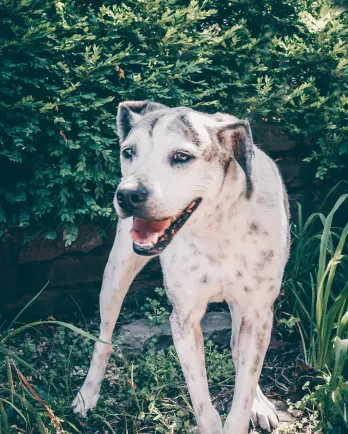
152, 237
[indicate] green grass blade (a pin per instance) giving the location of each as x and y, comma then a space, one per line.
61, 323
325, 237
324, 295
9, 377
39, 422
15, 408
331, 191
20, 361
26, 307
312, 320
105, 422
293, 289
342, 328
4, 419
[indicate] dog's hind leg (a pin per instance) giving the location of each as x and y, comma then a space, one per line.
189, 344
252, 340
122, 267
263, 412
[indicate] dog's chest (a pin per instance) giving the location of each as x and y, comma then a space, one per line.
212, 265
243, 259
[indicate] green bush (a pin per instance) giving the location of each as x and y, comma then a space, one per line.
63, 71
65, 66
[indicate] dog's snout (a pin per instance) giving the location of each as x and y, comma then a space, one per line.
130, 199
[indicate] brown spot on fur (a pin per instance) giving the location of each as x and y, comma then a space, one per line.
246, 402
260, 338
212, 259
233, 341
266, 258
186, 366
255, 365
204, 279
261, 200
242, 260
253, 228
259, 279
197, 331
200, 409
189, 130
267, 255
244, 328
226, 165
194, 267
208, 155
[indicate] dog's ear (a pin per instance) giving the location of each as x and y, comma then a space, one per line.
130, 112
236, 137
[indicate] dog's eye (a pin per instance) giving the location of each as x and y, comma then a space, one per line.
127, 153
181, 157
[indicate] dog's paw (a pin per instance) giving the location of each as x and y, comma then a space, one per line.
264, 413
84, 401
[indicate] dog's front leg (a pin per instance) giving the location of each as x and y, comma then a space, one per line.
263, 412
122, 267
189, 344
253, 340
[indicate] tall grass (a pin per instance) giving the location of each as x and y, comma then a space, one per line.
20, 399
317, 284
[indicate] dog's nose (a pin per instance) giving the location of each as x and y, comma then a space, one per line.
130, 199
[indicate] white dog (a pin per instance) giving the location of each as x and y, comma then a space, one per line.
197, 192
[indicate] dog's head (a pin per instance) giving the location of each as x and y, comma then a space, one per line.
172, 159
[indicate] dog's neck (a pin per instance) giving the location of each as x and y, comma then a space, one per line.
215, 216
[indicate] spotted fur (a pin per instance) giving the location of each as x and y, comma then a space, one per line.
233, 248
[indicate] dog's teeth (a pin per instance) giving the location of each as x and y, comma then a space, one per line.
155, 238
145, 245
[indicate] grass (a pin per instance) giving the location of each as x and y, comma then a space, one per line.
317, 288
142, 394
320, 293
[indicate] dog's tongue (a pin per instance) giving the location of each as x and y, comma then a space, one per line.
146, 231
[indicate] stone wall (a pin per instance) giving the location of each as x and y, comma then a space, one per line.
75, 273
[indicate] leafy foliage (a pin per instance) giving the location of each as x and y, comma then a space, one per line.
316, 285
328, 401
63, 70
158, 309
65, 66
319, 293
